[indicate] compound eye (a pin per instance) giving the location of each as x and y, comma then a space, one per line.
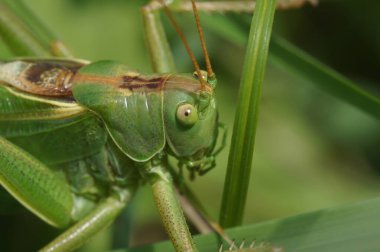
203, 73
187, 115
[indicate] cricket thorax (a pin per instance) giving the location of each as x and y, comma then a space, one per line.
135, 82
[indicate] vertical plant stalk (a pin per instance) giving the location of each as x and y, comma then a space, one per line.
243, 137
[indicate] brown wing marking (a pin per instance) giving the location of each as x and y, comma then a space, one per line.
41, 77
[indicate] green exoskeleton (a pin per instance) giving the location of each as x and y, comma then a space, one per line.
100, 127
78, 138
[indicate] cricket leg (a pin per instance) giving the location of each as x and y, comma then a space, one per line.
237, 6
161, 56
49, 197
34, 185
158, 45
170, 209
98, 219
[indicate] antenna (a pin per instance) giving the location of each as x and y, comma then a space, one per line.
210, 73
182, 36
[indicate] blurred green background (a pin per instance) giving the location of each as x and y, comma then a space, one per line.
312, 150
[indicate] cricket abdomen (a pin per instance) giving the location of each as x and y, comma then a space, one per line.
40, 77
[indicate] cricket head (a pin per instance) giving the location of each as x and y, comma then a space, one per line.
191, 121
190, 116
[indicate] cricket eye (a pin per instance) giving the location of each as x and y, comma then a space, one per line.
203, 73
187, 115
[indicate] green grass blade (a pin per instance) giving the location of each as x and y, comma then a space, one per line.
310, 69
21, 11
349, 228
17, 36
303, 65
25, 34
243, 137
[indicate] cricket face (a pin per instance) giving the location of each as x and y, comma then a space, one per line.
191, 126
